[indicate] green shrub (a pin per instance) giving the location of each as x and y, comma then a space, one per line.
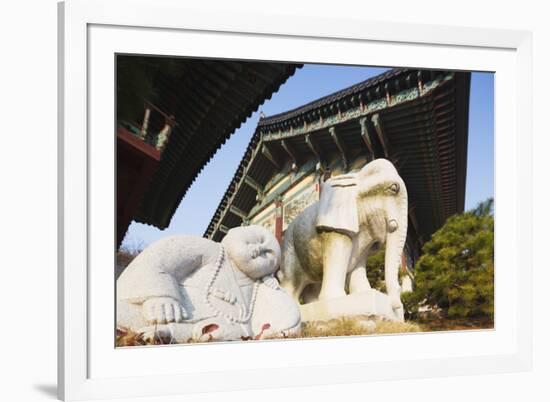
455, 274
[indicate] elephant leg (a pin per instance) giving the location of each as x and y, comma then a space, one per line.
311, 293
294, 287
291, 276
336, 255
358, 281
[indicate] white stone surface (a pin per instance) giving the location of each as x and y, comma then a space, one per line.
369, 303
193, 289
329, 242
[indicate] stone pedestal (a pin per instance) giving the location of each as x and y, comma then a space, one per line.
369, 303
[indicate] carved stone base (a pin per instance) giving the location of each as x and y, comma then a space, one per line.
370, 303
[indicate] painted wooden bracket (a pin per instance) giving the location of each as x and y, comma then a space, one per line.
378, 127
267, 153
366, 136
239, 212
314, 149
286, 146
253, 184
340, 146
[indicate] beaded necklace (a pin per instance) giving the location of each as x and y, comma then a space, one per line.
210, 290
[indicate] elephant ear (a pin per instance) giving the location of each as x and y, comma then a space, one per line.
368, 182
375, 173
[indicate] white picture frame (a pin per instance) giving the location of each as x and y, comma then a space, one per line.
91, 32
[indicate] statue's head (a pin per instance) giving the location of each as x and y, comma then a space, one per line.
383, 206
382, 194
253, 250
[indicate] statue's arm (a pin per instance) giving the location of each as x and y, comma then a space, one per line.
153, 279
159, 269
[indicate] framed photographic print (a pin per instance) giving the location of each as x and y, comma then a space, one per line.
284, 205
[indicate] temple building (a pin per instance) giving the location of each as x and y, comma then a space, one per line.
172, 116
418, 119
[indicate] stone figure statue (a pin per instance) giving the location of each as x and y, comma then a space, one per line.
194, 289
329, 242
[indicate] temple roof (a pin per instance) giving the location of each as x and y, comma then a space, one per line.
418, 119
318, 104
209, 99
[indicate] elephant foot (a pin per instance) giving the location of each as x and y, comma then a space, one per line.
327, 294
397, 305
399, 313
358, 281
359, 289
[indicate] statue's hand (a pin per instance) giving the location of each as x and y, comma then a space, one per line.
162, 310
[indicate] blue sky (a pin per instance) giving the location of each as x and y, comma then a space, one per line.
310, 83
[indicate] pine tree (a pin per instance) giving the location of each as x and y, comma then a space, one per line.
456, 270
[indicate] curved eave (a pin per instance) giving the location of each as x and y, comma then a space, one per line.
213, 100
340, 100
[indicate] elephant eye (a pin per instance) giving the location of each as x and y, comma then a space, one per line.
394, 188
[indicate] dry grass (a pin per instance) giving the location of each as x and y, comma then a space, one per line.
389, 327
358, 325
126, 337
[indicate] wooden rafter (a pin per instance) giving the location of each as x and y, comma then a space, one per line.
340, 146
250, 182
366, 135
378, 127
267, 153
288, 149
239, 212
314, 148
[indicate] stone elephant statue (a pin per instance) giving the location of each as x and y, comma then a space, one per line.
328, 242
188, 288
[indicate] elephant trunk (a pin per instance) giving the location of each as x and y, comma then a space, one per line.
395, 241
